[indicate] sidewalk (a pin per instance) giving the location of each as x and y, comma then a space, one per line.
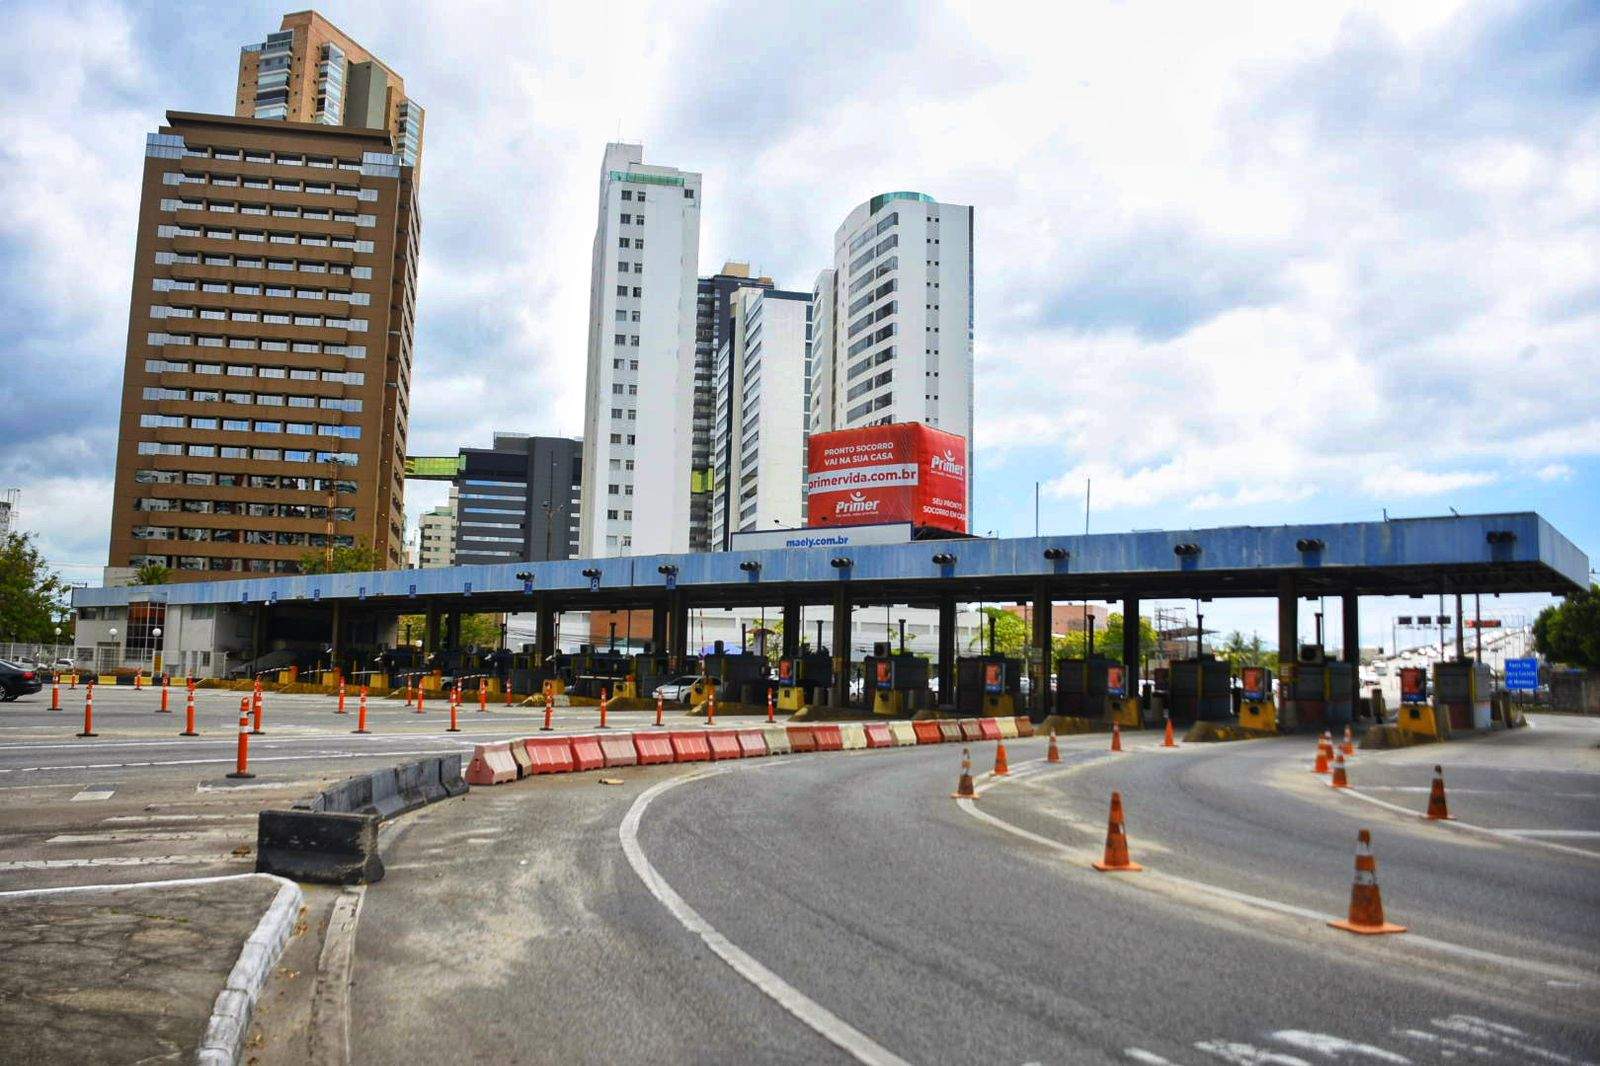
120, 974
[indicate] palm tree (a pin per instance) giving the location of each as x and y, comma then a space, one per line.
151, 574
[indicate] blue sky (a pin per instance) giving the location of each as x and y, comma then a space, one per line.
1235, 263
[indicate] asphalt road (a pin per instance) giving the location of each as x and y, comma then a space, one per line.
823, 908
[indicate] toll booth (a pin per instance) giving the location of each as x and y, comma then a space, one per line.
738, 677
804, 679
594, 669
651, 668
1200, 690
1461, 691
1324, 692
988, 686
1090, 688
395, 664
898, 682
1257, 710
1417, 713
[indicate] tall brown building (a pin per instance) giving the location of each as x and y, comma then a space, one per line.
269, 347
311, 71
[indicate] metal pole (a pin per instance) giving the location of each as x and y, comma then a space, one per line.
1477, 611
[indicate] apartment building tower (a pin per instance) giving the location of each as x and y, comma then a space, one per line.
312, 71
900, 317
268, 367
436, 538
761, 413
639, 398
518, 500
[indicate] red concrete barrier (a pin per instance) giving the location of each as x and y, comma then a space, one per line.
927, 732
551, 755
491, 765
990, 729
587, 754
1024, 726
724, 744
802, 738
828, 738
752, 743
652, 748
689, 747
879, 735
618, 749
970, 729
950, 730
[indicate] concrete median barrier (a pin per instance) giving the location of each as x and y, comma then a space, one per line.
388, 798
950, 730
587, 753
652, 748
492, 764
450, 777
852, 735
752, 743
329, 848
971, 730
1008, 728
828, 737
724, 744
927, 732
989, 729
550, 755
879, 735
618, 750
777, 738
904, 735
522, 759
1024, 726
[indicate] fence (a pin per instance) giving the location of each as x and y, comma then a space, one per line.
45, 654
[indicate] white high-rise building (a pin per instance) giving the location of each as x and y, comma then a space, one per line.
901, 317
759, 421
820, 413
639, 403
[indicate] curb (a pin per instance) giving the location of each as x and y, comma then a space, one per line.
230, 1017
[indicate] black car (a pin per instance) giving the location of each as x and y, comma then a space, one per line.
17, 681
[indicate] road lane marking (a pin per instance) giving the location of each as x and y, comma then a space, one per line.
1080, 856
91, 795
121, 860
1502, 834
307, 757
1583, 834
809, 1012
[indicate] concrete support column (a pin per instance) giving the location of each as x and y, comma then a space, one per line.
453, 630
677, 630
1040, 646
336, 641
544, 631
1461, 637
1351, 619
947, 651
791, 629
430, 638
258, 630
1288, 649
658, 628
842, 639
1130, 649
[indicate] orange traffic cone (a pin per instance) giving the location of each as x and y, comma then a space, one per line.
1339, 780
1002, 766
1321, 766
1438, 809
1054, 753
1116, 735
1349, 745
964, 789
1366, 904
1116, 857
1167, 742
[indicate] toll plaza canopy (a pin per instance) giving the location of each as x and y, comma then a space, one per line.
1518, 552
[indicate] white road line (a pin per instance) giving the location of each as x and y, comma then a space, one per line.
91, 795
120, 860
1541, 969
1501, 834
1582, 834
307, 757
812, 1014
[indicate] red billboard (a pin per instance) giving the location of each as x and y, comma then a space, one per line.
901, 472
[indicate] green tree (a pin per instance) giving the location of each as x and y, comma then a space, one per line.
29, 592
151, 574
358, 557
1569, 632
1010, 633
1240, 650
477, 630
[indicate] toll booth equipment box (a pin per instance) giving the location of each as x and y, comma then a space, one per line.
803, 678
740, 677
1257, 710
988, 685
595, 669
899, 683
1200, 690
1461, 690
1085, 688
1324, 694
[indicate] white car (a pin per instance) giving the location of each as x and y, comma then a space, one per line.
678, 690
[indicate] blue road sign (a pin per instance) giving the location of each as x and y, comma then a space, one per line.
1522, 675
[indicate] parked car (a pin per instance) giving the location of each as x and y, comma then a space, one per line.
17, 681
678, 690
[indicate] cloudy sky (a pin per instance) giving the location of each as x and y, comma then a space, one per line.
1235, 263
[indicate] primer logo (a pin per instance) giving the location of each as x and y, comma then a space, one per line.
856, 504
948, 464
